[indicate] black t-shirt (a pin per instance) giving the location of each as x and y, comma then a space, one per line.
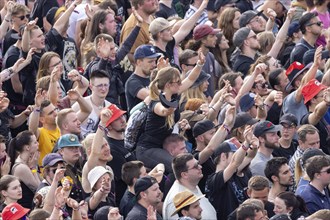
286, 152
120, 156
40, 9
274, 113
208, 168
100, 205
226, 196
127, 203
299, 50
166, 12
242, 64
133, 85
169, 53
139, 212
9, 60
8, 41
323, 131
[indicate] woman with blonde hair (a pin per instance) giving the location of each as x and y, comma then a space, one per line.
228, 22
163, 113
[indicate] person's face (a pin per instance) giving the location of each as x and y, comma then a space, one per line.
260, 194
55, 61
318, 98
37, 39
273, 64
253, 41
256, 24
288, 131
283, 81
70, 154
204, 86
109, 26
195, 211
207, 136
224, 43
14, 191
190, 64
154, 194
34, 144
106, 178
166, 35
72, 123
143, 172
285, 176
280, 207
271, 140
105, 154
315, 26
147, 65
20, 19
324, 176
236, 20
211, 41
100, 87
253, 111
2, 150
260, 85
312, 141
179, 148
259, 216
119, 125
194, 170
49, 114
150, 6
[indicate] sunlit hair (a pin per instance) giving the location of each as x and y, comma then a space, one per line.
44, 63
225, 23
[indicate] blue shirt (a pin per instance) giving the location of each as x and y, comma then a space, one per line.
315, 200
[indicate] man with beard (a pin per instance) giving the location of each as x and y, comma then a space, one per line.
148, 196
68, 122
116, 126
278, 173
136, 87
266, 132
187, 205
246, 40
145, 8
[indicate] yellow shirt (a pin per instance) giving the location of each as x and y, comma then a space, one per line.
47, 140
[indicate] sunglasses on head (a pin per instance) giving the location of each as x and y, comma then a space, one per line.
24, 16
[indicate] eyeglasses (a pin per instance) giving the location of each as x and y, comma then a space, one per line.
22, 17
319, 23
100, 86
262, 85
187, 64
196, 166
54, 170
288, 127
326, 171
56, 64
51, 112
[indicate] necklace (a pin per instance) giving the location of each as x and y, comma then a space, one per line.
99, 107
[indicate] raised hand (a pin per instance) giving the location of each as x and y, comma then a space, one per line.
33, 160
38, 98
59, 197
201, 57
55, 74
278, 98
204, 4
290, 13
5, 167
103, 47
105, 186
89, 12
162, 63
73, 95
4, 101
230, 116
326, 96
59, 174
72, 203
31, 24
271, 14
184, 125
318, 55
105, 115
74, 75
260, 68
137, 16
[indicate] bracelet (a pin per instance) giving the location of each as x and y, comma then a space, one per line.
34, 170
199, 65
102, 128
245, 147
211, 107
37, 110
11, 71
227, 128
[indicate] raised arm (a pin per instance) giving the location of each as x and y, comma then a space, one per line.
34, 116
271, 19
5, 25
189, 24
26, 35
84, 107
320, 109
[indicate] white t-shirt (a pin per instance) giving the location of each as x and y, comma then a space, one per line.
77, 15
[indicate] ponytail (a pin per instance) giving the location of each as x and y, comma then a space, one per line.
298, 172
11, 151
17, 144
154, 90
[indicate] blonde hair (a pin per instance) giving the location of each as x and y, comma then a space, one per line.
193, 93
44, 63
164, 76
266, 40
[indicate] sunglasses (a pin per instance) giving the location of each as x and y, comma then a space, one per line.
188, 64
262, 85
326, 171
319, 23
196, 166
24, 16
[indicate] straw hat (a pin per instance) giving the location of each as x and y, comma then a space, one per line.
184, 199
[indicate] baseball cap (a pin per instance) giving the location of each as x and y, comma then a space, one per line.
50, 16
116, 113
294, 70
203, 76
240, 36
51, 159
146, 51
14, 211
263, 127
202, 126
247, 16
183, 199
224, 147
95, 174
247, 101
203, 30
294, 27
68, 140
309, 56
309, 153
311, 89
220, 3
289, 119
144, 183
159, 24
244, 118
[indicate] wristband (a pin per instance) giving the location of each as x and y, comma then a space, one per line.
37, 110
102, 128
211, 107
199, 65
34, 170
244, 147
227, 128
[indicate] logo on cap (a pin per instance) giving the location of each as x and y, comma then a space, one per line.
72, 138
13, 210
269, 125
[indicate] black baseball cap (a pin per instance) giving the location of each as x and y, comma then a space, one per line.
263, 127
289, 119
144, 183
244, 118
202, 126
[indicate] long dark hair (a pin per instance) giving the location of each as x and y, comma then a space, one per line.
16, 145
294, 201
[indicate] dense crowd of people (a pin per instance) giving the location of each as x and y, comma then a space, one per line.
165, 109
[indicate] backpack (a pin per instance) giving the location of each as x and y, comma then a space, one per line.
135, 126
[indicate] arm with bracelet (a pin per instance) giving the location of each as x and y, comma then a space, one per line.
35, 115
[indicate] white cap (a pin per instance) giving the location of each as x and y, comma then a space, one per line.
95, 174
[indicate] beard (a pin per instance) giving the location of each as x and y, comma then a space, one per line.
271, 145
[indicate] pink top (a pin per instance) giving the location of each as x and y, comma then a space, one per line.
325, 18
